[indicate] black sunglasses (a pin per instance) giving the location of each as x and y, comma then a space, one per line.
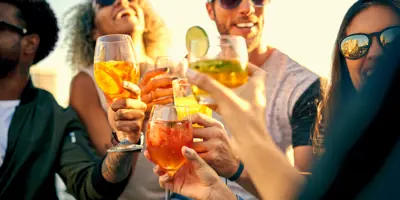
357, 45
103, 3
231, 4
7, 26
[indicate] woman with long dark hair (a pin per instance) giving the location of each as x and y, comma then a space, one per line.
352, 60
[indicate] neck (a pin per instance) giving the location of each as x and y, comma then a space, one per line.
13, 86
140, 51
259, 55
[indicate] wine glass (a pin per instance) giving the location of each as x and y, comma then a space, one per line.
225, 60
168, 131
183, 96
115, 62
176, 66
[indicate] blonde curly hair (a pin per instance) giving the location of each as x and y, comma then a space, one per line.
80, 24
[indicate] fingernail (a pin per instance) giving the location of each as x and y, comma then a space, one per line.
125, 84
187, 151
191, 74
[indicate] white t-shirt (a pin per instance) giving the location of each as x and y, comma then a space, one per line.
7, 109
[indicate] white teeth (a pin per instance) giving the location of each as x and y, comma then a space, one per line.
245, 25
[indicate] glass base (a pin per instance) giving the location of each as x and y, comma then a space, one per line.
125, 147
207, 101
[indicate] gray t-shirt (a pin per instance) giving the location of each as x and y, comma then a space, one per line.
292, 91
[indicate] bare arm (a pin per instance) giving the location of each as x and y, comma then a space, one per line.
85, 100
303, 158
272, 174
246, 182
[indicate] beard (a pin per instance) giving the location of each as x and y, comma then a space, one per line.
9, 59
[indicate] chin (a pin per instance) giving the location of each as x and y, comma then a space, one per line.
252, 44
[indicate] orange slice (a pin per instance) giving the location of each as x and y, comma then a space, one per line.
107, 80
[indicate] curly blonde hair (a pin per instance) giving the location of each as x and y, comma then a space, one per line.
80, 24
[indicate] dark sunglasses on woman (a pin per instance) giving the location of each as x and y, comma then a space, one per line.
231, 4
104, 3
357, 45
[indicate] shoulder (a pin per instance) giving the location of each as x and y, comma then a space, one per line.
82, 79
83, 89
296, 80
46, 102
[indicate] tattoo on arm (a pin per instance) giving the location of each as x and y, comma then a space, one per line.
117, 166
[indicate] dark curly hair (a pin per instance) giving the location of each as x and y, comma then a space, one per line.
39, 19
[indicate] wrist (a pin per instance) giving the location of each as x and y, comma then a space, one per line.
233, 169
221, 191
238, 172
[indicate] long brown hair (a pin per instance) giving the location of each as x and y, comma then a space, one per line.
340, 87
80, 24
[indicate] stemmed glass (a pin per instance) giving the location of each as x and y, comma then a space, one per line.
225, 60
115, 62
169, 129
176, 66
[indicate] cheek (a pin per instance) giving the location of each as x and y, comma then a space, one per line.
103, 22
354, 67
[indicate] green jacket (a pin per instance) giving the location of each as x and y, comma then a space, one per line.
45, 139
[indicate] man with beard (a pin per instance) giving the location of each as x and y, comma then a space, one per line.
292, 93
39, 138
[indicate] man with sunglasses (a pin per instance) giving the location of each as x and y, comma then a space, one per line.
292, 93
39, 138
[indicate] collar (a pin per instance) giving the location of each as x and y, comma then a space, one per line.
29, 93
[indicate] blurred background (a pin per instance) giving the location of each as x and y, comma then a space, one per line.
305, 30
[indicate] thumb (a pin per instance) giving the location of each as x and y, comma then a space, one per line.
132, 88
194, 158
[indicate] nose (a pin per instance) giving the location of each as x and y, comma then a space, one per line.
246, 7
375, 49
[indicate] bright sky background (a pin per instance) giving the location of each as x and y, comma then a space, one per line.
304, 29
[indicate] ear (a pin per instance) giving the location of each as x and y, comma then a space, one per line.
210, 10
30, 44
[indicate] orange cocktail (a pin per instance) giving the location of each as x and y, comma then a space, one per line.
109, 76
165, 139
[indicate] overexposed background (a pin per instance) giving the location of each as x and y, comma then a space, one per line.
304, 29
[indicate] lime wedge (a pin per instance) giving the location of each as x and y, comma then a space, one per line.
198, 34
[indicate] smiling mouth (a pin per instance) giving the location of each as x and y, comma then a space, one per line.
245, 25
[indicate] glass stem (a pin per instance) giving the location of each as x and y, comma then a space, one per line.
167, 194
